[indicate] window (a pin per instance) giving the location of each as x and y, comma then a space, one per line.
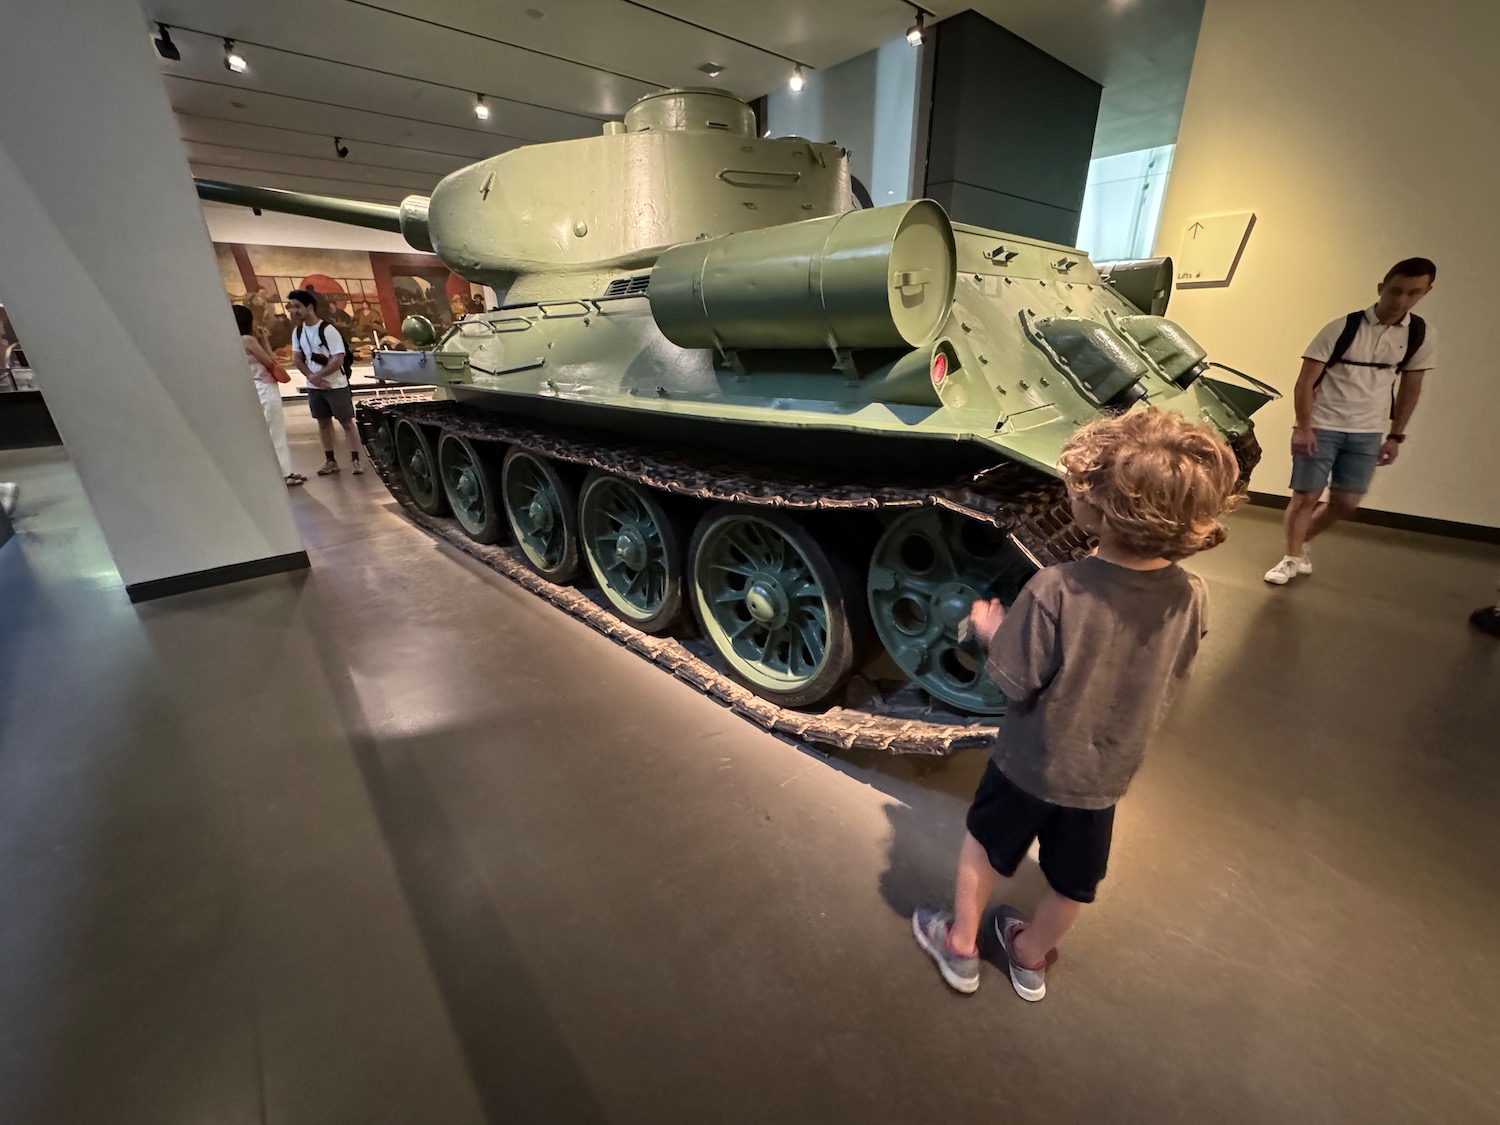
1122, 204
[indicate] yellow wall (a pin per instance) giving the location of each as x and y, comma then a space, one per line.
1359, 132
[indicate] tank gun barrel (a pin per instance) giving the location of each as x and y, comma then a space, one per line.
408, 220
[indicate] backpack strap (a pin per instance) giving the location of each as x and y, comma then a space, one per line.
323, 334
1342, 344
1416, 336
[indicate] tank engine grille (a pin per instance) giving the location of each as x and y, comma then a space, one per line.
629, 286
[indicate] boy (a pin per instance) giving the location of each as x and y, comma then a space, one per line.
1088, 657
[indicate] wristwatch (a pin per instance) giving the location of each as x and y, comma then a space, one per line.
1397, 438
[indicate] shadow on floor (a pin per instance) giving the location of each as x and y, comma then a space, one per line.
521, 1069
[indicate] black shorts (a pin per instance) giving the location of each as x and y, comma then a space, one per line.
331, 404
1075, 842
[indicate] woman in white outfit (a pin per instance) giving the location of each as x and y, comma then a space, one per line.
263, 367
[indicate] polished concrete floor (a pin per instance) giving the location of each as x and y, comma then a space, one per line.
391, 841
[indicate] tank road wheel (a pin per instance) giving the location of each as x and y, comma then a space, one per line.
379, 443
927, 571
542, 509
418, 465
472, 486
634, 550
773, 604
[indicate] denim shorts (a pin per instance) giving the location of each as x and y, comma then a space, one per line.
1347, 459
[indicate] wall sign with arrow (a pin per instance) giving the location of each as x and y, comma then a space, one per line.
1212, 247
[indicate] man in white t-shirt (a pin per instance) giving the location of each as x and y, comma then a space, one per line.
1347, 420
319, 350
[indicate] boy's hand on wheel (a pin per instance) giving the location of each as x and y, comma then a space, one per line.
985, 616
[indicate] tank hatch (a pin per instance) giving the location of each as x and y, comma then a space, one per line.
691, 111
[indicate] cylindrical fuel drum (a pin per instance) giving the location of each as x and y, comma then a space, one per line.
877, 278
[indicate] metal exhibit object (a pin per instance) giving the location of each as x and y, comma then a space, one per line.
725, 393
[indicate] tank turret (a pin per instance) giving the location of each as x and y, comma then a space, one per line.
721, 391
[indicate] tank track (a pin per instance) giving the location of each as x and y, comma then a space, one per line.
1027, 505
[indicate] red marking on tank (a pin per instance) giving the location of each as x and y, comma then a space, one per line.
939, 367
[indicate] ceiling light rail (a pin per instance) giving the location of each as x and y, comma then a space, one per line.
466, 157
353, 109
797, 65
502, 42
232, 52
284, 154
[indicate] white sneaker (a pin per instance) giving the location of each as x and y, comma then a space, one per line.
1304, 562
1284, 571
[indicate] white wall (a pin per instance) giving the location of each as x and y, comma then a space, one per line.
109, 276
868, 105
1360, 132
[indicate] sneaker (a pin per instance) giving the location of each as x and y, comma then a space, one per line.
1030, 984
1487, 619
329, 468
359, 467
1287, 569
930, 927
1304, 562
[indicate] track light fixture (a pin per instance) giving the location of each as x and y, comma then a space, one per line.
233, 60
164, 45
797, 81
481, 110
340, 148
917, 32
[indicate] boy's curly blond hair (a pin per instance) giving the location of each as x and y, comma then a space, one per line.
1160, 482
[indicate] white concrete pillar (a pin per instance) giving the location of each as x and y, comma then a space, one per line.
108, 273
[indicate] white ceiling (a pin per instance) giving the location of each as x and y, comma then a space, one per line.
396, 79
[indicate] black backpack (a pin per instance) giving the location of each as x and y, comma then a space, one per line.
348, 355
1416, 334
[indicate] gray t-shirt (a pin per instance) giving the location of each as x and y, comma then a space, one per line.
1089, 656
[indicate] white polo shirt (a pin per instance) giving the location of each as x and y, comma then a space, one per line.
307, 342
1358, 399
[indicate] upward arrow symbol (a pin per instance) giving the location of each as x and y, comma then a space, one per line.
1194, 229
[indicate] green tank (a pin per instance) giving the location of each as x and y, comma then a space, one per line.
737, 403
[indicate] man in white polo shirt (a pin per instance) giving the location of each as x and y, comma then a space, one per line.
1347, 423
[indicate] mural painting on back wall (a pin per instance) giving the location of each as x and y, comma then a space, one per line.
367, 294
15, 371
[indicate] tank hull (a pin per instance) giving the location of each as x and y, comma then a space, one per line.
1003, 387
837, 453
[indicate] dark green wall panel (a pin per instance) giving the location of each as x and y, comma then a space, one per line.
1011, 131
